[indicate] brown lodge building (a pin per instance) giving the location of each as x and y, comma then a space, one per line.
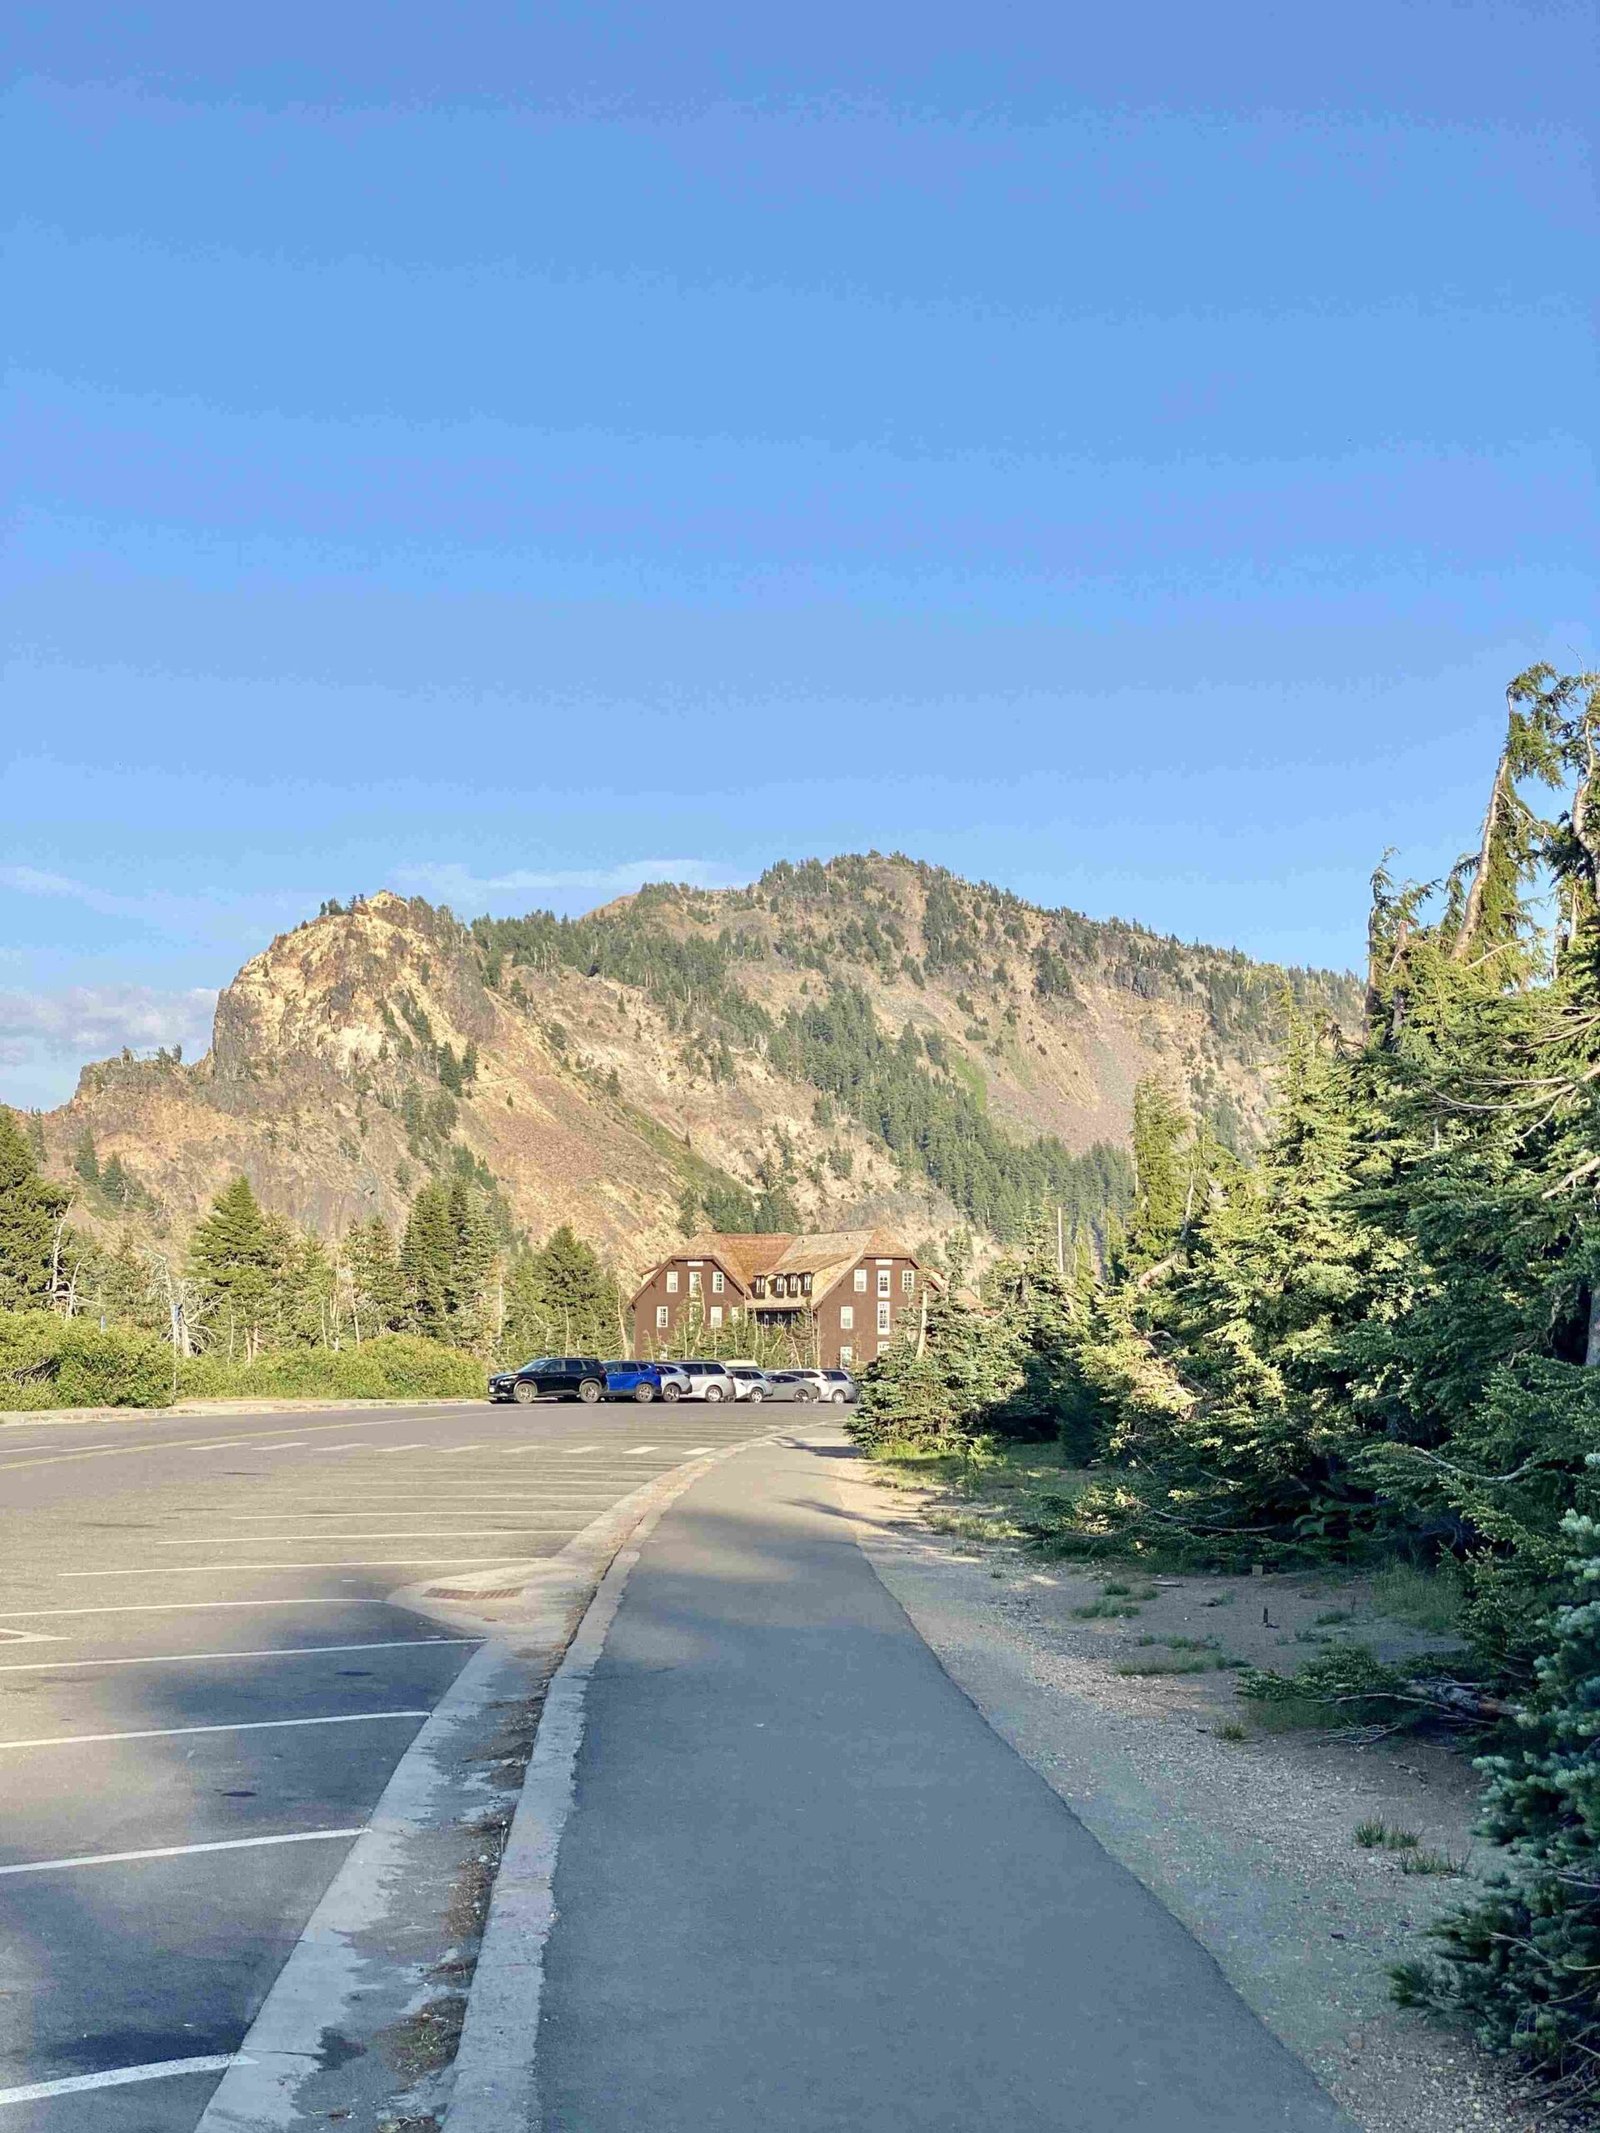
844, 1293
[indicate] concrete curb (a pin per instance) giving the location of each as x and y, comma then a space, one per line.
330, 1985
495, 2086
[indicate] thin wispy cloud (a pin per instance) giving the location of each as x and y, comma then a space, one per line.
214, 915
92, 1021
452, 883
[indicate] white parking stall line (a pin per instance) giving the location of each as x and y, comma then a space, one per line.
468, 1507
637, 1451
271, 1651
185, 1607
232, 1540
341, 1562
249, 1725
117, 2077
455, 1451
179, 1851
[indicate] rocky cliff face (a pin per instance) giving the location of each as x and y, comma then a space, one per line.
590, 1071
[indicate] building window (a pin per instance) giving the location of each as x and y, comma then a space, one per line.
758, 1287
663, 1315
847, 1318
716, 1281
861, 1281
716, 1314
908, 1281
847, 1354
883, 1280
883, 1318
672, 1281
805, 1284
733, 1314
883, 1349
694, 1281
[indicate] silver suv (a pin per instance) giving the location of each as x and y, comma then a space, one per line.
709, 1381
750, 1382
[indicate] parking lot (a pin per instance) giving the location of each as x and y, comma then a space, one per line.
204, 1688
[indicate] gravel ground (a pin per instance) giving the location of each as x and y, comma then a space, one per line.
1249, 1842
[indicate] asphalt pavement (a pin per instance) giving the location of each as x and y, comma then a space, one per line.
803, 1886
204, 1689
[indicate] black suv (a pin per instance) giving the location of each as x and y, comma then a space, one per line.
551, 1377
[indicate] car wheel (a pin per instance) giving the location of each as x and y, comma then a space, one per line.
713, 1392
755, 1396
524, 1394
669, 1393
589, 1392
644, 1392
838, 1398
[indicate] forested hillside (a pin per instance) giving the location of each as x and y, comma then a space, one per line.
1378, 1342
867, 1041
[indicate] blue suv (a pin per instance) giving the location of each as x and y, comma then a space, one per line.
645, 1381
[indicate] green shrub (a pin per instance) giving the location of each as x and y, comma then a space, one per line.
394, 1366
47, 1361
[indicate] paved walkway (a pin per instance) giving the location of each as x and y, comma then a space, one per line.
804, 1887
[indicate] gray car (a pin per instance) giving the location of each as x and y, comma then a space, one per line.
796, 1385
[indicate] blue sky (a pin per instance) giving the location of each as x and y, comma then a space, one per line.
510, 452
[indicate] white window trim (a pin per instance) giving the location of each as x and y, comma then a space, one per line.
663, 1318
884, 1325
716, 1314
847, 1354
885, 1281
716, 1281
847, 1318
694, 1281
672, 1281
908, 1281
861, 1281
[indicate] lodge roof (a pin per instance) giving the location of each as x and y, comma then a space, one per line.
823, 1254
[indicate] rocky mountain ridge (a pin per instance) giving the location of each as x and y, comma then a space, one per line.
867, 1041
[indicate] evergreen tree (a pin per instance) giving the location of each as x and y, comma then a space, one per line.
32, 1210
377, 1289
236, 1258
938, 1385
426, 1254
308, 1309
472, 1265
85, 1162
1161, 1177
1521, 1962
561, 1300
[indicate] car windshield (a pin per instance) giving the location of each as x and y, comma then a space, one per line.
540, 1362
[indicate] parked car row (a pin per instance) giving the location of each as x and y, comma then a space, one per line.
588, 1378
